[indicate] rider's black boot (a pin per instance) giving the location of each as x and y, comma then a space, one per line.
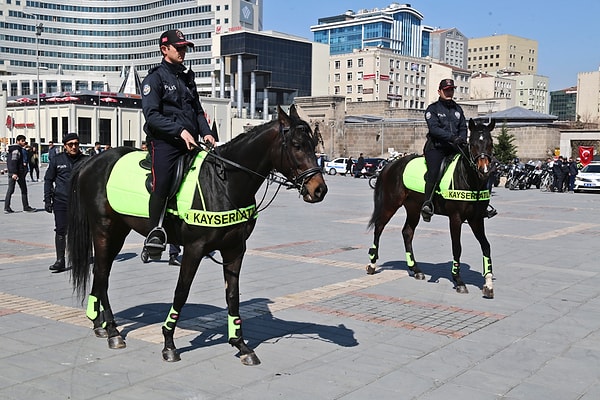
427, 208
156, 241
491, 211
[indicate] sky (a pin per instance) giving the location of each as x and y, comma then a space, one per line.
566, 31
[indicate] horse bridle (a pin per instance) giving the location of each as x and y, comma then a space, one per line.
472, 159
296, 182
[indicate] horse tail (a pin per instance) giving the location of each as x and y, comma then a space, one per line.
79, 237
378, 197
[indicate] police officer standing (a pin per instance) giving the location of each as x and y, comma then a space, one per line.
56, 193
17, 166
447, 134
174, 122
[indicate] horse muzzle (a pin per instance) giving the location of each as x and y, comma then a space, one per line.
314, 190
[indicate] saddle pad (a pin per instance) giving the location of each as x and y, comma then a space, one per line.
126, 188
414, 175
414, 179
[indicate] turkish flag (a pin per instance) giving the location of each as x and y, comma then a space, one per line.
586, 153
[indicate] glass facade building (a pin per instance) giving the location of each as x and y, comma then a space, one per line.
106, 37
396, 27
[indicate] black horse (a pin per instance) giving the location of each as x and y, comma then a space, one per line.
229, 179
466, 199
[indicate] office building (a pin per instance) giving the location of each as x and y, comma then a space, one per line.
102, 37
563, 104
502, 54
449, 46
588, 97
264, 69
375, 74
396, 27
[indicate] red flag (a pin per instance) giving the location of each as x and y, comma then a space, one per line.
586, 153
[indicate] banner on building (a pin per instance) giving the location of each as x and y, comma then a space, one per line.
586, 154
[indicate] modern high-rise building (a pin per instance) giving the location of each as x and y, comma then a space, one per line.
563, 104
449, 46
396, 27
502, 54
103, 38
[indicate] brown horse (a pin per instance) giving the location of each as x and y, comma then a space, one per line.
466, 200
224, 193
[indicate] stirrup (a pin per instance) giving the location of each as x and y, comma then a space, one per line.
427, 211
491, 212
156, 242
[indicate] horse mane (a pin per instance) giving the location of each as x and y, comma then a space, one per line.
244, 137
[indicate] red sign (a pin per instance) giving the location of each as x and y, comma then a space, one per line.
586, 153
368, 76
10, 123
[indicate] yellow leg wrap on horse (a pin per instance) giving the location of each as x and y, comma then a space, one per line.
234, 327
410, 260
171, 320
455, 267
487, 265
93, 307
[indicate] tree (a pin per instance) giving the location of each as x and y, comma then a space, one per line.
504, 149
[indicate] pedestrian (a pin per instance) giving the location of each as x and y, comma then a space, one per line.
174, 122
558, 170
56, 193
360, 164
16, 165
97, 149
349, 165
572, 171
52, 150
34, 164
174, 251
447, 134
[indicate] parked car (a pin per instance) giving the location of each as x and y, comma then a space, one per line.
588, 178
337, 166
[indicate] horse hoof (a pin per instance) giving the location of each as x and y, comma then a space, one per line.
370, 269
419, 276
100, 332
462, 289
249, 359
116, 342
170, 355
488, 293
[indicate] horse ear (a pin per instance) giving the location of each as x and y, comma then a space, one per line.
492, 124
282, 116
294, 112
471, 124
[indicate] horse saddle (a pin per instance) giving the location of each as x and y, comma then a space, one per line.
184, 163
130, 183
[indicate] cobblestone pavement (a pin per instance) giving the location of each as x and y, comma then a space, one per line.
321, 326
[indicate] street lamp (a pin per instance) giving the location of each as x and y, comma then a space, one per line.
39, 27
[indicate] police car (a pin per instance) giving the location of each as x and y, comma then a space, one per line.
337, 166
588, 178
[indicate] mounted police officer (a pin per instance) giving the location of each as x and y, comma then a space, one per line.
447, 134
174, 122
57, 183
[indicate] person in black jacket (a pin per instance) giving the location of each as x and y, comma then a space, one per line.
447, 133
56, 193
17, 166
174, 122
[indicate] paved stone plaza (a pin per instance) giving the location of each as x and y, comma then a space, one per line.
321, 326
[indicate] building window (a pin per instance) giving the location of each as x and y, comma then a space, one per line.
361, 62
349, 64
336, 77
336, 90
349, 89
349, 76
337, 64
